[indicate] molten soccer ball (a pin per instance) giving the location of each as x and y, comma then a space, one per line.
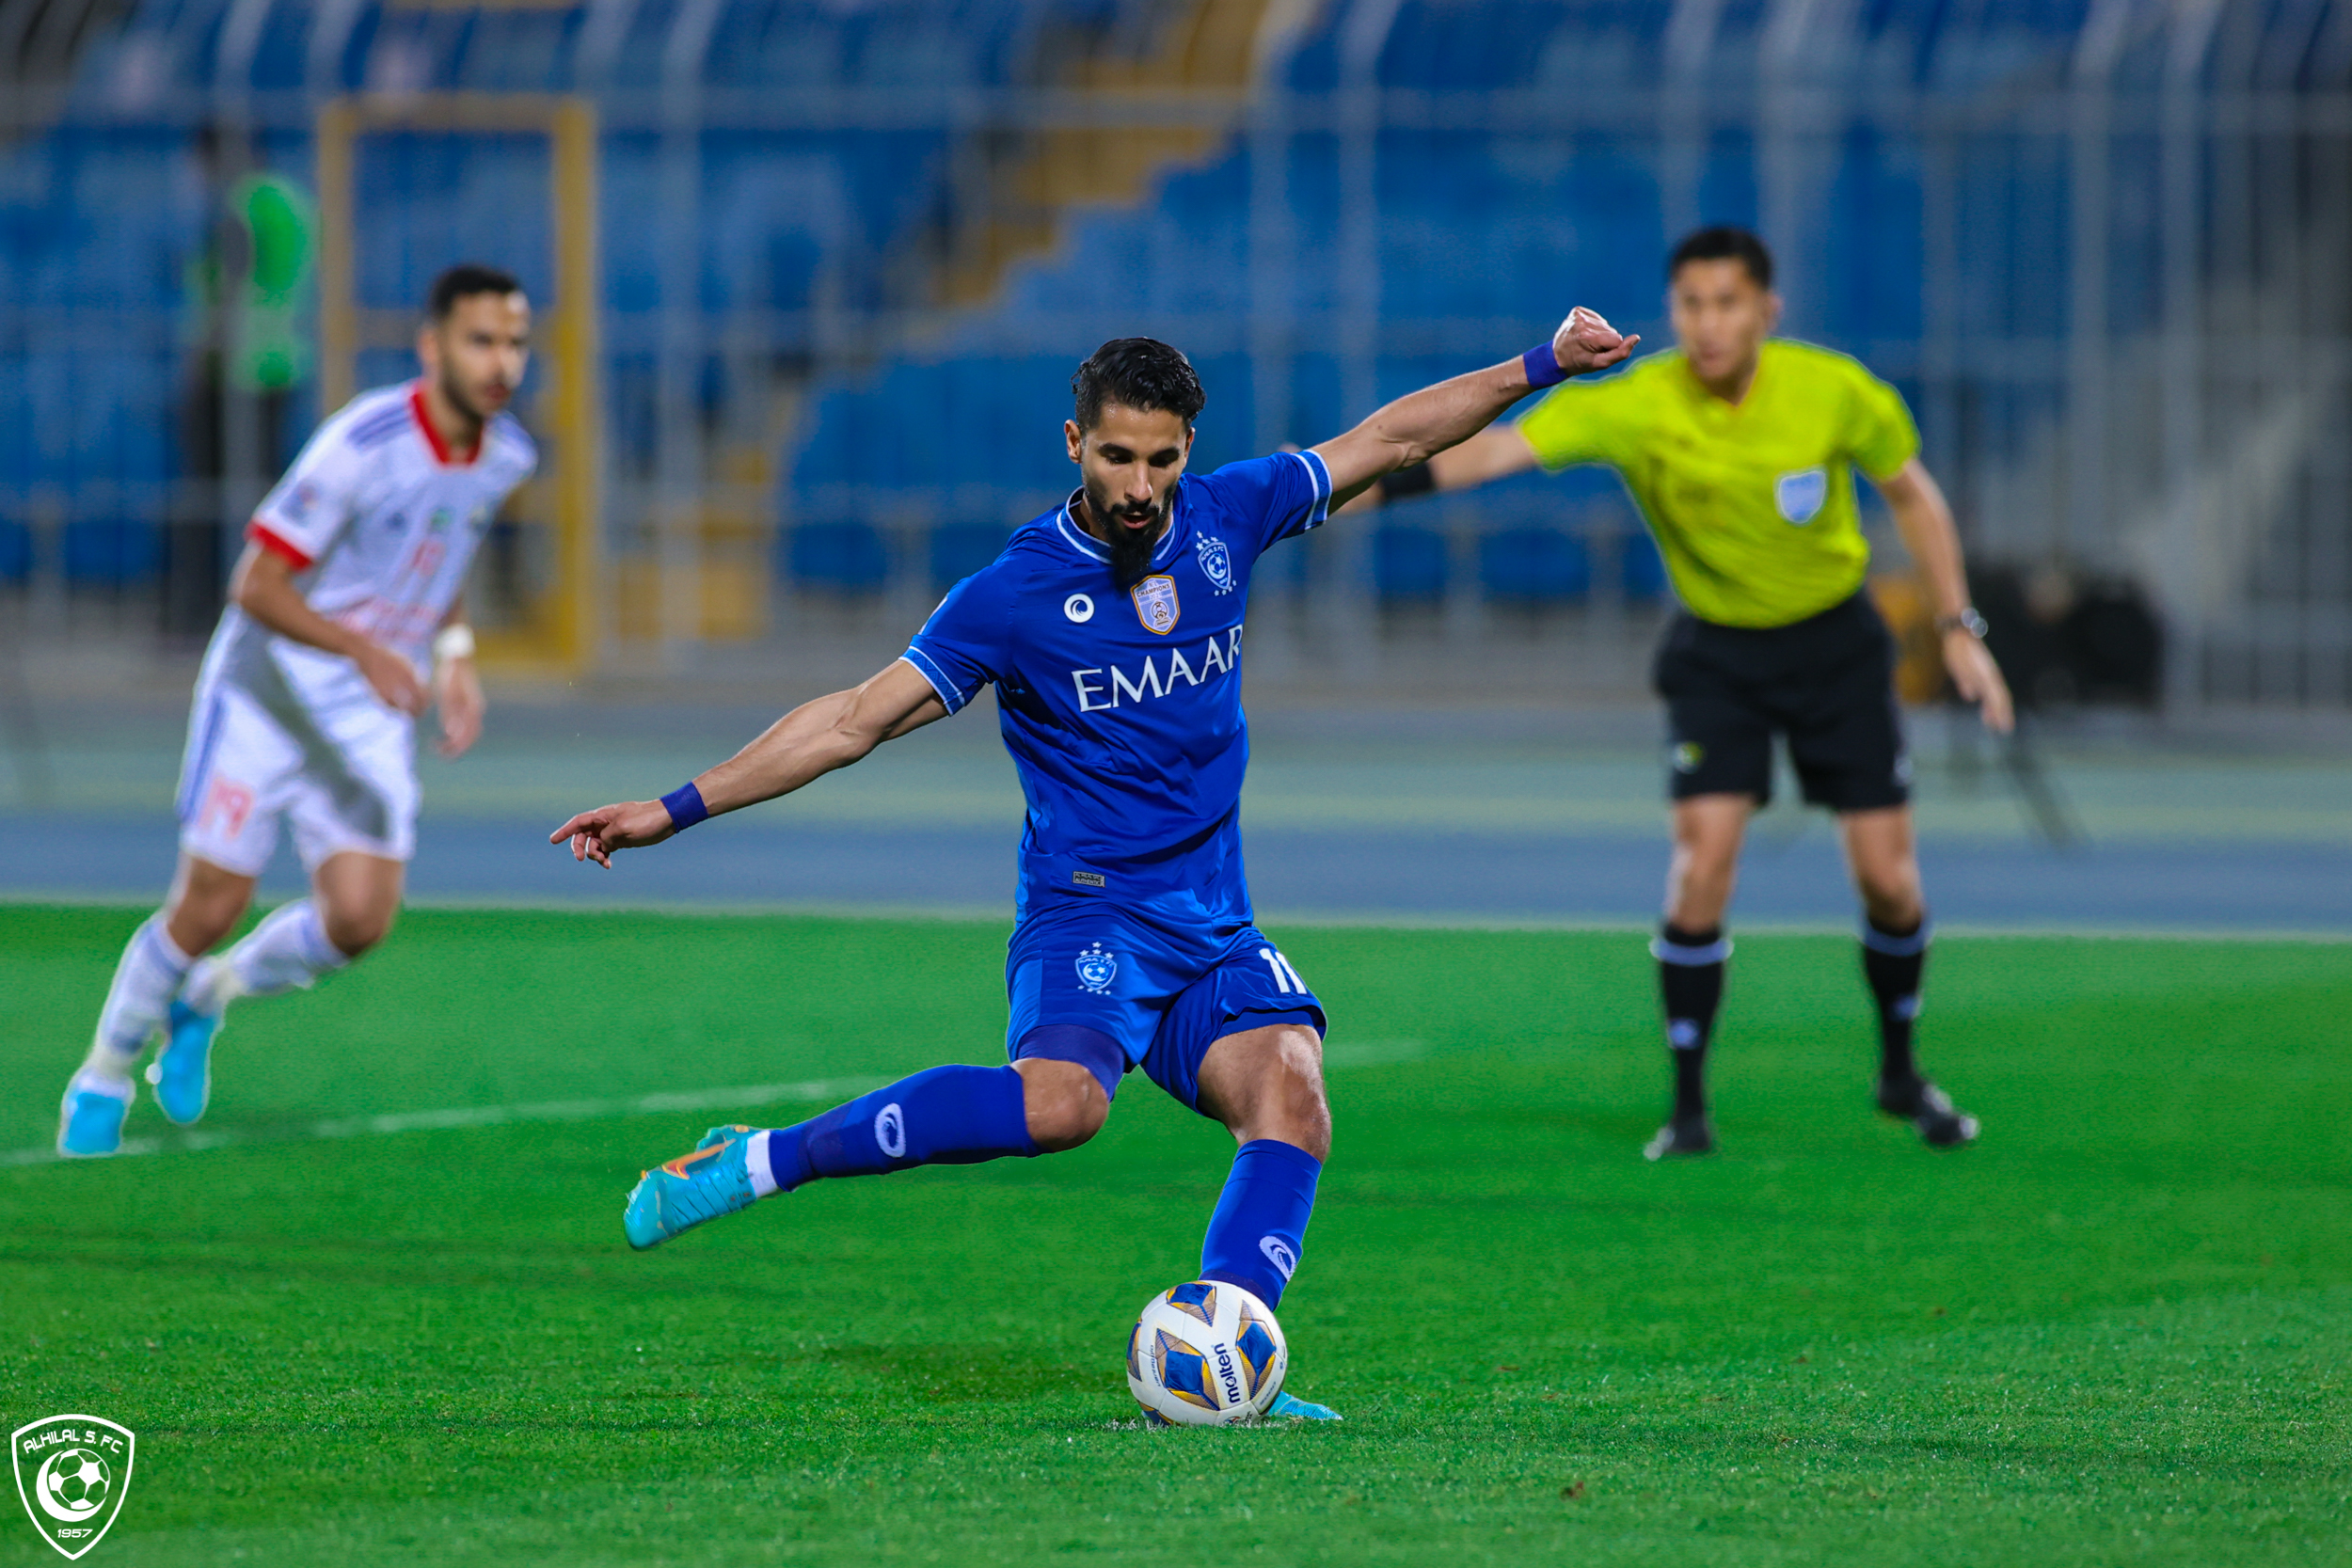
1206, 1354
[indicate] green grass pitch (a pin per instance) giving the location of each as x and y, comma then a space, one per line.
2119, 1330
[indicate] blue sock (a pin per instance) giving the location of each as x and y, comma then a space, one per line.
1259, 1226
948, 1116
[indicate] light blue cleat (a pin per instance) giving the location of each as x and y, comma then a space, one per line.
90, 1123
674, 1197
181, 1073
1291, 1409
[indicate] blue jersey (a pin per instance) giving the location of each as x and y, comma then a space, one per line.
1123, 708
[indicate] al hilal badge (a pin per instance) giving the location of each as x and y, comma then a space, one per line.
72, 1473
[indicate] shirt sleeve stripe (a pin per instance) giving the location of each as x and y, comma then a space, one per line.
940, 683
277, 545
1320, 477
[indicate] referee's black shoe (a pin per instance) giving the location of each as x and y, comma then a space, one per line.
1941, 1124
1683, 1135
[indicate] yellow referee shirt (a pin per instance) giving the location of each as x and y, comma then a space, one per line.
1753, 505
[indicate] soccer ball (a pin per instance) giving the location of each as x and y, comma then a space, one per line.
78, 1480
1206, 1354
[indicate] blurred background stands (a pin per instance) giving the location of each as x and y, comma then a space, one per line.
814, 277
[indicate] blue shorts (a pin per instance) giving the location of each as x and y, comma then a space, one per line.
1162, 993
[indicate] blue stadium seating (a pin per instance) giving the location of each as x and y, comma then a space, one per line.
1533, 566
849, 559
1481, 235
1409, 564
960, 549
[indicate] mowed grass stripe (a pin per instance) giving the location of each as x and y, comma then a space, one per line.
2114, 1332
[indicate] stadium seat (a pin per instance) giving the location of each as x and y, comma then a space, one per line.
1533, 566
112, 552
841, 558
960, 549
1642, 570
1409, 564
16, 551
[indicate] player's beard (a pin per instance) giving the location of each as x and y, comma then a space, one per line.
1131, 547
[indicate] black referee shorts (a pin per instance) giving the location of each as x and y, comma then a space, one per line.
1827, 683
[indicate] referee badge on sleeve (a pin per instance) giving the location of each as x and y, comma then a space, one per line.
1801, 495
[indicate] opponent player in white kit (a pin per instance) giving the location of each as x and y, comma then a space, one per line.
306, 706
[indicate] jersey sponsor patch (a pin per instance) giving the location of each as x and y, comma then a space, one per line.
1156, 604
1801, 495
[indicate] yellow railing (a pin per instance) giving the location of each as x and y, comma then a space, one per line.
556, 632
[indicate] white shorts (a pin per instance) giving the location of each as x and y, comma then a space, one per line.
347, 776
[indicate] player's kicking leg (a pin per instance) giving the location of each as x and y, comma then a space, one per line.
1895, 935
946, 1115
205, 904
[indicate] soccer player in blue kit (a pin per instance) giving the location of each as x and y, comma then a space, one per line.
1111, 627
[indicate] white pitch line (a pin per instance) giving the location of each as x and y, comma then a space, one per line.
458, 1117
1342, 1057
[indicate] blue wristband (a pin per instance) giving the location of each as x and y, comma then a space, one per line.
1543, 365
685, 805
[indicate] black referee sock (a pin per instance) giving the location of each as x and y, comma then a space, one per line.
1690, 980
1892, 960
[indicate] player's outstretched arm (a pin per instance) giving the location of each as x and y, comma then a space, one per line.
807, 743
1421, 424
1924, 518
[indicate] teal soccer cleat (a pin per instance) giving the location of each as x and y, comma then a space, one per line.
673, 1198
1291, 1407
90, 1123
182, 1072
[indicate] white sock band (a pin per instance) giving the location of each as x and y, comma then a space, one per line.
286, 951
755, 1160
145, 981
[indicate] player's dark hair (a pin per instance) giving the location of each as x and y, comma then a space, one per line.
1723, 242
462, 281
1142, 373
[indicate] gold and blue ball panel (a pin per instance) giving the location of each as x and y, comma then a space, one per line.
1183, 1371
1134, 1354
1196, 1300
1256, 1346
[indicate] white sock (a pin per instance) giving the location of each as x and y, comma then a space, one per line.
287, 951
755, 1161
145, 981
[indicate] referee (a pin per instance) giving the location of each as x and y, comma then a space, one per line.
1740, 449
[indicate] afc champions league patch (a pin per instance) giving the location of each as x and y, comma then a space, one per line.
1156, 604
1217, 561
1097, 970
1801, 495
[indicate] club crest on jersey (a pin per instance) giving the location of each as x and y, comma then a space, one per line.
1156, 604
1801, 495
1097, 970
1217, 561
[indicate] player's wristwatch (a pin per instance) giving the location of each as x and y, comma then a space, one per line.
1967, 621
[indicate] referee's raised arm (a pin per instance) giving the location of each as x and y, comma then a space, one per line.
1418, 426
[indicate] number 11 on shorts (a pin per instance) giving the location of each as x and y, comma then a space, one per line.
1285, 978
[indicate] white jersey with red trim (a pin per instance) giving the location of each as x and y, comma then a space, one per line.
380, 521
